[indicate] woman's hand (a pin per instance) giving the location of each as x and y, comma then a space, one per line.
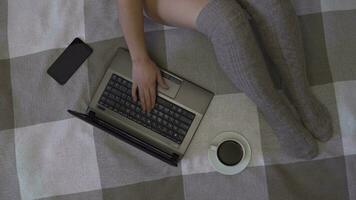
145, 75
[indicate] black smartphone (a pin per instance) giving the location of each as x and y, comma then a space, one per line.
69, 61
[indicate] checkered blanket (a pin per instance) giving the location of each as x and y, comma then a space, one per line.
47, 154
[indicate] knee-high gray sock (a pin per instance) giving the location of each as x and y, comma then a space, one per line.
240, 57
278, 27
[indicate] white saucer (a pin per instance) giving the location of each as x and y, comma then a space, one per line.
213, 158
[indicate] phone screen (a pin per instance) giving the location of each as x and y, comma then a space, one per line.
69, 61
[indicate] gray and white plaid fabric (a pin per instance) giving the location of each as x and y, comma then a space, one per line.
47, 154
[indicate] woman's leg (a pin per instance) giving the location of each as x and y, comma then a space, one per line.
239, 55
278, 27
180, 13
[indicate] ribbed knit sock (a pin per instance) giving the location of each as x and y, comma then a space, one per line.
278, 27
238, 54
314, 115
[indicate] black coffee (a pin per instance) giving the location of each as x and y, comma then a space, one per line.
230, 152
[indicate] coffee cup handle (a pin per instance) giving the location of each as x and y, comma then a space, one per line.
213, 147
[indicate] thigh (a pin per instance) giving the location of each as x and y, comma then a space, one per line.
180, 13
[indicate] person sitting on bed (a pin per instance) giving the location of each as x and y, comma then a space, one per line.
227, 25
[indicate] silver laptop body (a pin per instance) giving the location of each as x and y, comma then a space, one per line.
181, 92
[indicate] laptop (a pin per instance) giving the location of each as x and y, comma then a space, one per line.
167, 130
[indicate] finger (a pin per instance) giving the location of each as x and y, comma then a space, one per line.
161, 81
147, 100
142, 99
133, 91
153, 96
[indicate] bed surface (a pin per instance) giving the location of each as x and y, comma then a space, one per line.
45, 153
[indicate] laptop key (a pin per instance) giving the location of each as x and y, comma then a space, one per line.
171, 119
123, 89
155, 111
164, 102
170, 133
143, 119
181, 131
185, 120
116, 92
111, 82
166, 110
188, 114
175, 128
166, 117
164, 129
133, 106
129, 98
176, 122
132, 113
110, 102
175, 135
184, 126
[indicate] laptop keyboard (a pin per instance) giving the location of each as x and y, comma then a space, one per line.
166, 118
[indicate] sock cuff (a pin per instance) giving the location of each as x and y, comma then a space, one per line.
217, 12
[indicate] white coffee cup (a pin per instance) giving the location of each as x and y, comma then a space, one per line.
229, 153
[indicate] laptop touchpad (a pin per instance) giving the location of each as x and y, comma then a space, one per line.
173, 83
